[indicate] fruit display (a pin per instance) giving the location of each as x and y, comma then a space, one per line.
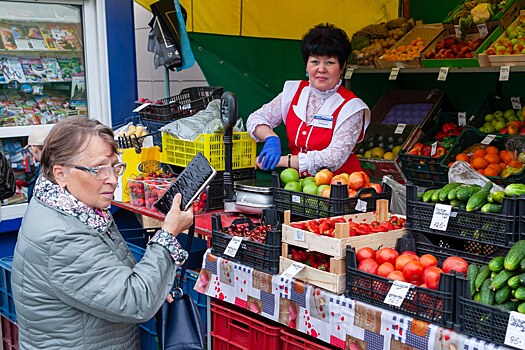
452, 47
255, 233
137, 187
154, 190
445, 138
316, 260
472, 12
405, 52
512, 42
380, 147
507, 122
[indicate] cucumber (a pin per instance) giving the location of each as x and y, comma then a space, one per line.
515, 190
520, 293
496, 264
490, 199
498, 196
478, 199
487, 294
472, 272
435, 196
477, 297
483, 274
522, 279
514, 282
491, 208
453, 192
511, 305
493, 275
465, 193
522, 265
501, 279
456, 203
443, 194
514, 256
502, 295
521, 308
428, 195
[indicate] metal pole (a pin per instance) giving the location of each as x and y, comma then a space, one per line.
167, 82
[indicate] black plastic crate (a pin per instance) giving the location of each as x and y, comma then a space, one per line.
188, 102
309, 206
435, 306
492, 103
261, 256
500, 230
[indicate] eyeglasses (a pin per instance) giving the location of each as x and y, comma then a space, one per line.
102, 172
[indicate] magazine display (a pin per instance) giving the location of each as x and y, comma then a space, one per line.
34, 71
61, 37
11, 70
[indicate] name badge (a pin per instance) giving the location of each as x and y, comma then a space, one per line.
323, 121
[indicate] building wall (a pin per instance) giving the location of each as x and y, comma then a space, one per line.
150, 81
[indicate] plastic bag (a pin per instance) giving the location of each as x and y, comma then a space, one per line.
515, 146
398, 200
462, 172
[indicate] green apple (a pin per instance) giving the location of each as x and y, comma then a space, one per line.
499, 125
310, 188
294, 186
289, 175
489, 117
498, 114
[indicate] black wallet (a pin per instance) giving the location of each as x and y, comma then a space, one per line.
190, 183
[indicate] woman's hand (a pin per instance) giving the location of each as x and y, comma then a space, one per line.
271, 153
176, 220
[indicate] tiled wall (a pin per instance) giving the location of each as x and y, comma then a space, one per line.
150, 80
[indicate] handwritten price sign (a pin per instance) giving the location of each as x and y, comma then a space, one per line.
233, 246
293, 270
397, 293
440, 217
515, 335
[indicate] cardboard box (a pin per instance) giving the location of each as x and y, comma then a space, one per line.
486, 60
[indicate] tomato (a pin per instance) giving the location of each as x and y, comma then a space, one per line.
396, 276
386, 255
402, 260
409, 252
431, 277
384, 269
365, 253
455, 263
368, 265
428, 260
413, 270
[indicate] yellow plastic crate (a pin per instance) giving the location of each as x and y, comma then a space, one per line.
180, 152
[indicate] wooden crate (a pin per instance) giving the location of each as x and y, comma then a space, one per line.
336, 246
427, 32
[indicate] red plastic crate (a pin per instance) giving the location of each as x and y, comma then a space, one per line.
233, 330
299, 341
9, 334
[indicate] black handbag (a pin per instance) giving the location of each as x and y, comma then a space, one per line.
179, 324
7, 178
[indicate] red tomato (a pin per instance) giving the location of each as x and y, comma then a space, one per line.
384, 255
431, 277
384, 269
368, 265
409, 252
402, 260
413, 270
396, 276
428, 260
455, 263
365, 253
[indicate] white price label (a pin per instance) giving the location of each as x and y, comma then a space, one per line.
515, 335
298, 235
349, 72
488, 139
457, 31
434, 148
400, 128
483, 30
393, 73
292, 270
443, 72
397, 293
462, 118
516, 102
141, 107
504, 73
233, 246
440, 217
361, 205
296, 198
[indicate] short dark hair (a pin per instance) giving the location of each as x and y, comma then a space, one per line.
326, 40
67, 141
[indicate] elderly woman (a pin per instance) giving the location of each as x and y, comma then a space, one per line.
75, 283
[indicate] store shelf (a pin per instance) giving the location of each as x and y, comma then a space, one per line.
19, 131
358, 70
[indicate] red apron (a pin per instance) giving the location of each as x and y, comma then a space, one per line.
304, 138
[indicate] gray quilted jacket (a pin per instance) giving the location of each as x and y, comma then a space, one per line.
77, 288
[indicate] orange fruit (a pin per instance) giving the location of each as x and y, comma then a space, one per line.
480, 153
450, 164
481, 171
502, 165
463, 157
490, 172
506, 156
492, 149
479, 163
496, 167
492, 158
515, 164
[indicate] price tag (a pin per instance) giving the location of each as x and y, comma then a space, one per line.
462, 118
488, 139
141, 107
443, 72
515, 335
440, 217
397, 293
361, 205
233, 246
393, 73
434, 148
516, 102
349, 72
504, 73
400, 128
296, 198
457, 31
483, 30
293, 270
298, 235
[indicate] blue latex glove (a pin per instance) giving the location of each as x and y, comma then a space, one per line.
271, 153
